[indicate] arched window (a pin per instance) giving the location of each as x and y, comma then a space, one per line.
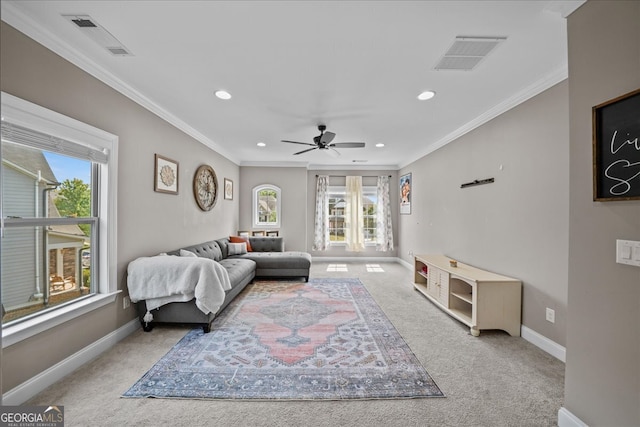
266, 206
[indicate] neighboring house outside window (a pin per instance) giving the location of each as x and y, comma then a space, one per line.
337, 215
266, 206
58, 229
42, 266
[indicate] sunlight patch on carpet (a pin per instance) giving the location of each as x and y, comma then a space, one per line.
337, 267
325, 339
374, 268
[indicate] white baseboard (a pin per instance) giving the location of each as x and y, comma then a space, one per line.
540, 341
567, 419
544, 343
405, 263
355, 259
38, 383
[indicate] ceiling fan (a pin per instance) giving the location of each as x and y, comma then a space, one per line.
323, 142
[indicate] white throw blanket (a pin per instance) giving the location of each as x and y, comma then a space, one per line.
161, 280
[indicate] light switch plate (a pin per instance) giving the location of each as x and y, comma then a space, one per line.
628, 252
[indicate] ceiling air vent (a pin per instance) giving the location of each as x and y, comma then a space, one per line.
89, 27
467, 52
118, 50
84, 23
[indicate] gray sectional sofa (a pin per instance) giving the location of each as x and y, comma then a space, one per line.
268, 259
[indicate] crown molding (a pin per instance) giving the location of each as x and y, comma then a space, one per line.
353, 167
548, 81
563, 8
275, 164
310, 166
26, 25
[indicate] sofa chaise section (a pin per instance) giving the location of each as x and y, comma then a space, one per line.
271, 259
267, 259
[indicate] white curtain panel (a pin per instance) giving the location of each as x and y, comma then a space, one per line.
384, 226
353, 215
321, 226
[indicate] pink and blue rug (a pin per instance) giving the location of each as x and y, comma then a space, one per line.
325, 339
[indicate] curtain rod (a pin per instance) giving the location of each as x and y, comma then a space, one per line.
364, 176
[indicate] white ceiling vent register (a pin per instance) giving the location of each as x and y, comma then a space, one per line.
89, 27
467, 52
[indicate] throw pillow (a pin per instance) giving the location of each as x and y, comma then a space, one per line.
237, 248
187, 253
238, 239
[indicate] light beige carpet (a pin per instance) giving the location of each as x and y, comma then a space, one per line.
491, 380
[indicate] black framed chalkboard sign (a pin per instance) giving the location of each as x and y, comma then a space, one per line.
616, 149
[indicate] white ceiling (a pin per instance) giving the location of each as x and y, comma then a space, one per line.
355, 66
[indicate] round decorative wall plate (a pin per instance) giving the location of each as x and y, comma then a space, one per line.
205, 187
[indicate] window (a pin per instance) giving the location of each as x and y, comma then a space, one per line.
266, 206
337, 214
58, 218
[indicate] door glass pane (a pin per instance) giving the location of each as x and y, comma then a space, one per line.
336, 217
369, 203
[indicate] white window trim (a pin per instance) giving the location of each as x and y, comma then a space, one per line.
254, 203
29, 115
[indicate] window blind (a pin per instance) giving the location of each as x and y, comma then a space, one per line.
32, 138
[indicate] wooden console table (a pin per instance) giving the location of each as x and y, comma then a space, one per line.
477, 298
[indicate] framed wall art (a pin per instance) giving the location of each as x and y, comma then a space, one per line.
205, 187
228, 189
405, 194
166, 175
616, 148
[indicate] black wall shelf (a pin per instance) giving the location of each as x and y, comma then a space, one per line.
477, 182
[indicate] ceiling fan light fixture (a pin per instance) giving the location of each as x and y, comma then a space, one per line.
379, 145
223, 94
261, 144
427, 94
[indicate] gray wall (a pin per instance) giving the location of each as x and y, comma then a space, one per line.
602, 382
148, 222
293, 185
298, 204
517, 226
337, 177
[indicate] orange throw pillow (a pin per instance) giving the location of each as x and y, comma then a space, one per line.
237, 239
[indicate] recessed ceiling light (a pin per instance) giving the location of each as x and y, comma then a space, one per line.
223, 94
427, 94
379, 145
261, 144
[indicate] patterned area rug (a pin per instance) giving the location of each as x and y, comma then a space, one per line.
325, 339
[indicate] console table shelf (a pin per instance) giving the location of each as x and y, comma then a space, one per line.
463, 297
478, 298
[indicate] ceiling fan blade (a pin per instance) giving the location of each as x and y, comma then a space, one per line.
304, 151
348, 145
333, 153
296, 142
327, 137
